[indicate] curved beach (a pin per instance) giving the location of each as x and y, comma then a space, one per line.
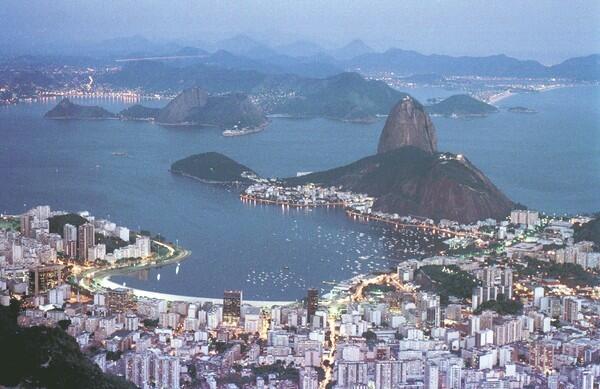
101, 277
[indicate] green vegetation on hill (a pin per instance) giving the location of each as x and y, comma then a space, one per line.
8, 223
568, 273
46, 357
212, 168
502, 306
461, 105
65, 109
589, 231
57, 223
139, 112
409, 181
446, 281
111, 242
346, 96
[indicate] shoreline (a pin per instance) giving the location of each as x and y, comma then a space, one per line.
103, 278
498, 97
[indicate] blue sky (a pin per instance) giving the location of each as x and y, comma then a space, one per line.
549, 31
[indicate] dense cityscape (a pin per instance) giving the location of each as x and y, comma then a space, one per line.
299, 195
517, 308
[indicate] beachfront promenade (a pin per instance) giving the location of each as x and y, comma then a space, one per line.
93, 278
107, 283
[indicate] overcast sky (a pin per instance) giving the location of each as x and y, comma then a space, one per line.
549, 31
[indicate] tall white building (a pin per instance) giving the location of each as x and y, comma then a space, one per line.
432, 376
538, 294
351, 373
388, 374
524, 217
166, 372
309, 379
571, 308
137, 368
143, 244
69, 233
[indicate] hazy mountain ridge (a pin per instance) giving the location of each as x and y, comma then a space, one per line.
410, 62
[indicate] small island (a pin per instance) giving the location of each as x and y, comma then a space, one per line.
214, 168
519, 109
461, 106
66, 110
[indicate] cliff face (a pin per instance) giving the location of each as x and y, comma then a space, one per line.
408, 125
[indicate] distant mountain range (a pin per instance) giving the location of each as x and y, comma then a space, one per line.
406, 62
310, 59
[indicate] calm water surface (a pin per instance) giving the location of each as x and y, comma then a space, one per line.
549, 161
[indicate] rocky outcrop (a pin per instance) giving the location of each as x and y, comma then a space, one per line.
408, 125
410, 181
183, 106
195, 107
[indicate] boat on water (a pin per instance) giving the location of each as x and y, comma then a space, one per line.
119, 154
236, 131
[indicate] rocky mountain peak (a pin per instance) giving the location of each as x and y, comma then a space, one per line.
408, 125
179, 108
